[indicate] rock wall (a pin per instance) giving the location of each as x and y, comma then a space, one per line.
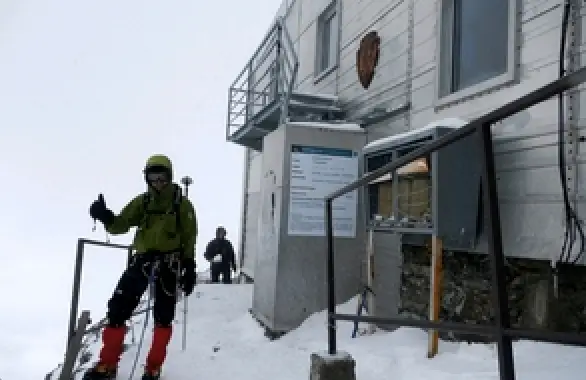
466, 286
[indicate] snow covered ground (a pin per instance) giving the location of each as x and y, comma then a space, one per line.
225, 342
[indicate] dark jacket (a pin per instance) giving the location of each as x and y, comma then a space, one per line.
220, 250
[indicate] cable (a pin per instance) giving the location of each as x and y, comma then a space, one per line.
573, 226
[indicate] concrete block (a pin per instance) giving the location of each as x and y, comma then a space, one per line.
340, 366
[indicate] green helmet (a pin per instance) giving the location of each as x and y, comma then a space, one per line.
159, 162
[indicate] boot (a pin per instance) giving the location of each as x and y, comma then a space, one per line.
157, 353
151, 375
112, 340
100, 372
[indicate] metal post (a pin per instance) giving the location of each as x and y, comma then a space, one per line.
277, 62
330, 279
74, 346
495, 250
75, 290
129, 257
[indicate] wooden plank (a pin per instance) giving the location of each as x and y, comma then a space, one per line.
435, 292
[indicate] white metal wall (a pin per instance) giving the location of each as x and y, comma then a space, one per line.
525, 144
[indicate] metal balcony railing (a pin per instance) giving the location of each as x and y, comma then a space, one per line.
267, 80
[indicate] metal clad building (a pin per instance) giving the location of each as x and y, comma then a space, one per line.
438, 59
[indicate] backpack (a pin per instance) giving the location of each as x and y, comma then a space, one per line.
177, 198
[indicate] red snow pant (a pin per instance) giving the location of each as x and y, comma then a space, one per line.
126, 297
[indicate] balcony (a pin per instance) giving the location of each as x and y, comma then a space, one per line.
262, 97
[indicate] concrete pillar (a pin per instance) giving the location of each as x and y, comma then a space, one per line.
332, 367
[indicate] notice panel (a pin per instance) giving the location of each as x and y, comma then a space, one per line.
315, 173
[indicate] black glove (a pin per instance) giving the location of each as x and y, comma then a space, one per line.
99, 211
233, 267
187, 279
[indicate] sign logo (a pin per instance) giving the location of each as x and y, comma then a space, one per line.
367, 58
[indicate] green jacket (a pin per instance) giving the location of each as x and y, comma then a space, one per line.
158, 232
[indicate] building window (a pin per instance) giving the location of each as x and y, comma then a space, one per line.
327, 41
477, 46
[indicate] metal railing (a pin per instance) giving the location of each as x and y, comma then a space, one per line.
75, 336
267, 79
501, 332
81, 243
74, 346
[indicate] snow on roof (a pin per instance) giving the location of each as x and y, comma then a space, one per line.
350, 127
446, 123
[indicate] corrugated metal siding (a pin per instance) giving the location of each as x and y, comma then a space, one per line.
526, 155
525, 144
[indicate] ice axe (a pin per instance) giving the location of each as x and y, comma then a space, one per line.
185, 181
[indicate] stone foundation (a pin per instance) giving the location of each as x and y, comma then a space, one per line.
466, 297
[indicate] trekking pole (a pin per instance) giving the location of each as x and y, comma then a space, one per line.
151, 287
185, 181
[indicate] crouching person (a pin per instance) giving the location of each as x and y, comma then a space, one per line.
164, 244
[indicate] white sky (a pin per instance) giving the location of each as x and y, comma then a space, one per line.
88, 90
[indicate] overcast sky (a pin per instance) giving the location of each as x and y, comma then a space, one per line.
88, 90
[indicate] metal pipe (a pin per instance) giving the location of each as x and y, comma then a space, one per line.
575, 339
567, 338
104, 244
291, 44
129, 257
75, 291
228, 113
73, 347
500, 302
330, 279
482, 330
537, 96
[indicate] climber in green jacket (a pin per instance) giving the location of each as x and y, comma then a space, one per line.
164, 245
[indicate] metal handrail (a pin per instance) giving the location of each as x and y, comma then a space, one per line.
76, 287
501, 331
256, 52
74, 346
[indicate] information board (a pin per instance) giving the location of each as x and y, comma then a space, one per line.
315, 173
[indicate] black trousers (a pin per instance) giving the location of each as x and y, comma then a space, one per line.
134, 282
222, 269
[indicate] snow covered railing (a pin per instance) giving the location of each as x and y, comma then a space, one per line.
501, 332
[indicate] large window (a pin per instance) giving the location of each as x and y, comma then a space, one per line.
327, 41
476, 47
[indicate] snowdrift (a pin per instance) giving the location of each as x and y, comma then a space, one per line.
224, 341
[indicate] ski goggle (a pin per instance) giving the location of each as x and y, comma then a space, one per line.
157, 177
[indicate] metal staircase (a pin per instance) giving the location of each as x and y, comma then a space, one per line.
262, 97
